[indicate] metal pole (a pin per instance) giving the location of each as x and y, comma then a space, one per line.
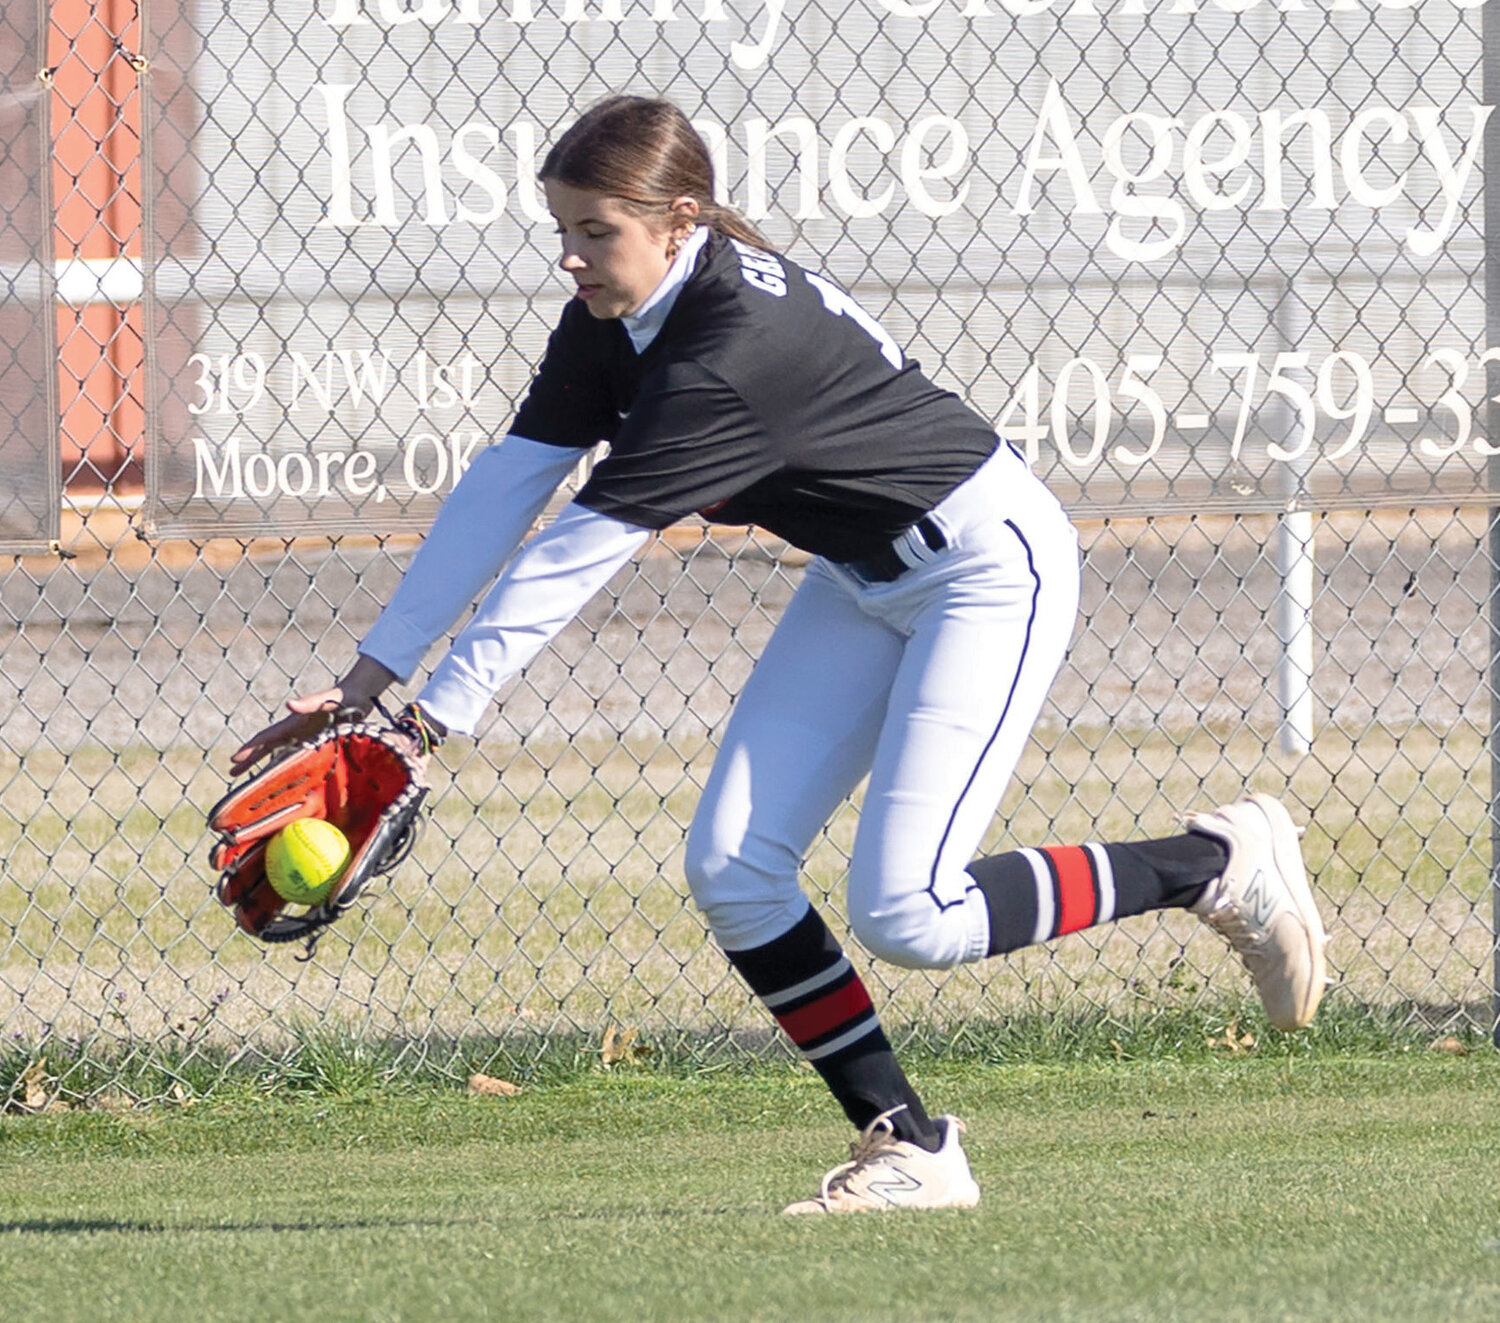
1492, 542
1490, 33
1294, 562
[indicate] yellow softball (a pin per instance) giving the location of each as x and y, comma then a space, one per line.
305, 859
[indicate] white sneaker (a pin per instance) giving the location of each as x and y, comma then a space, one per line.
1263, 905
884, 1173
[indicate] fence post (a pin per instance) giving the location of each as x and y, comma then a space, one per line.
1490, 34
1294, 604
1294, 555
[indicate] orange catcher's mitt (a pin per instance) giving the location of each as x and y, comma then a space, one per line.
362, 779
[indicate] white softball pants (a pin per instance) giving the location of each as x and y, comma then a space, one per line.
930, 685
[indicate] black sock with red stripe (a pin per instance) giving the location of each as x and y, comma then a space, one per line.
808, 984
1035, 895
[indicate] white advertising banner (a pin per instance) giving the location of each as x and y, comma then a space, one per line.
1186, 254
30, 461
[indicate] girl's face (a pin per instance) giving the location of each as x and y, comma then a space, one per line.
616, 257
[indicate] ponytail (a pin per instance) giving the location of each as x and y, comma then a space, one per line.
645, 153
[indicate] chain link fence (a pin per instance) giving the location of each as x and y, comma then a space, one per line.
29, 499
1265, 408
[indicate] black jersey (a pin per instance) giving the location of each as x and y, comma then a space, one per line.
768, 397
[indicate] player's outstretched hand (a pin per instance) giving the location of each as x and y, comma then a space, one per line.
311, 713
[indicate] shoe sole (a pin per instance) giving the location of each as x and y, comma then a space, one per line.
1286, 849
808, 1207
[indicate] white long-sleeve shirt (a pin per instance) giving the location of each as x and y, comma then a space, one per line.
544, 585
478, 530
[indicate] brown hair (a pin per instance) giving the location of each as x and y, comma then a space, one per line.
644, 153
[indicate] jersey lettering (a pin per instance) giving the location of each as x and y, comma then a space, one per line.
761, 269
841, 304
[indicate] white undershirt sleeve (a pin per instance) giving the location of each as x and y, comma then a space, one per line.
543, 588
477, 530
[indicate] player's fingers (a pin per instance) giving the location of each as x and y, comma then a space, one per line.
325, 700
337, 701
263, 742
309, 714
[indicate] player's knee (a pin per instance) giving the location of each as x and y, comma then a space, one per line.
745, 902
903, 935
704, 864
896, 919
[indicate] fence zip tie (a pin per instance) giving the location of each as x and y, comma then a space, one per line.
137, 61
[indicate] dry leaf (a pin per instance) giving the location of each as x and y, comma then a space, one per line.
1234, 1040
117, 1104
30, 1090
1453, 1046
620, 1046
479, 1083
616, 1046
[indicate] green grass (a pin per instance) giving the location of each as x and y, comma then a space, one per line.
323, 1058
1283, 1183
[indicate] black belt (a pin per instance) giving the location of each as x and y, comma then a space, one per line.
886, 565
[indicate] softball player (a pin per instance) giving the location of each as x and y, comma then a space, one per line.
917, 651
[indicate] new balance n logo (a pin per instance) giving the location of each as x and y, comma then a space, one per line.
893, 1181
1260, 899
